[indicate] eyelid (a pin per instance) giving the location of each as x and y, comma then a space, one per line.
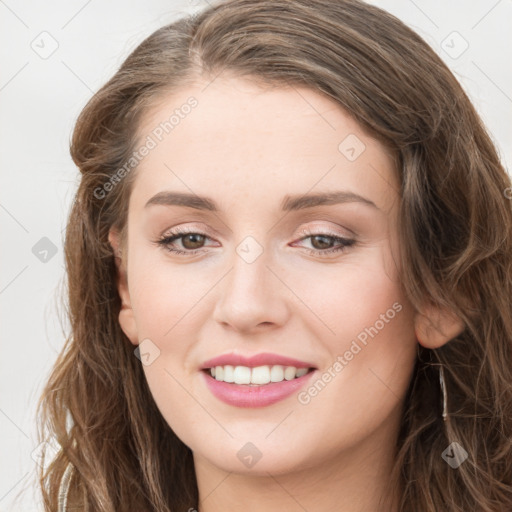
303, 231
190, 227
316, 227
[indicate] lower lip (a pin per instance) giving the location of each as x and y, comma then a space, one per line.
243, 395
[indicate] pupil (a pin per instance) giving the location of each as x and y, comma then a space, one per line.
192, 236
322, 246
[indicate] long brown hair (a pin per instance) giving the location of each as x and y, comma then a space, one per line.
455, 227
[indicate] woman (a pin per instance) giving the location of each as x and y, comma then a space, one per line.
289, 264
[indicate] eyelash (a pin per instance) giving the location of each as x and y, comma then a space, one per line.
178, 233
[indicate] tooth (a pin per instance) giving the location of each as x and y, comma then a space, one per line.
276, 373
242, 375
289, 372
260, 375
229, 375
301, 372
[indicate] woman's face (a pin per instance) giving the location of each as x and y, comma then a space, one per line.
293, 210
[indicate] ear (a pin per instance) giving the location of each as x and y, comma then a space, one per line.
435, 326
126, 316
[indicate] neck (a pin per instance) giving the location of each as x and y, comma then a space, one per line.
354, 480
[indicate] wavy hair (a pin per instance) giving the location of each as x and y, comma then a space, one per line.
455, 228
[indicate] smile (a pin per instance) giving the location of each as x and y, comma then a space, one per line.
260, 375
255, 381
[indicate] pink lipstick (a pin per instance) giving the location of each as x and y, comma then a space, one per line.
255, 381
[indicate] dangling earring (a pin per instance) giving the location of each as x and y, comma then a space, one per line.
64, 488
441, 383
443, 391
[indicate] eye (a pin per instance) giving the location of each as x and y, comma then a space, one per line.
192, 242
322, 240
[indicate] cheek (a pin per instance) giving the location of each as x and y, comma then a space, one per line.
170, 390
165, 295
166, 300
352, 295
363, 385
164, 310
370, 336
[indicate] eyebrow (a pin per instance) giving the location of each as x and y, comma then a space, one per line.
289, 203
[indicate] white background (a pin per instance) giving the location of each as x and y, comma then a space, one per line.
40, 99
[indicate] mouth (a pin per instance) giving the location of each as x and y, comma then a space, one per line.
256, 381
256, 376
256, 386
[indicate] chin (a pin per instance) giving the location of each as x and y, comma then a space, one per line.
256, 458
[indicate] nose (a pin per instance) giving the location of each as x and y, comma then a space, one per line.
252, 296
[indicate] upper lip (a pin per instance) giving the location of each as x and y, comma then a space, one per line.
262, 359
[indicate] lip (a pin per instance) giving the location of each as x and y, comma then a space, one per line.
244, 395
263, 359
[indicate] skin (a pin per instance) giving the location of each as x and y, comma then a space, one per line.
246, 148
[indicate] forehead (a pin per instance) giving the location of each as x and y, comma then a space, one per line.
233, 134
